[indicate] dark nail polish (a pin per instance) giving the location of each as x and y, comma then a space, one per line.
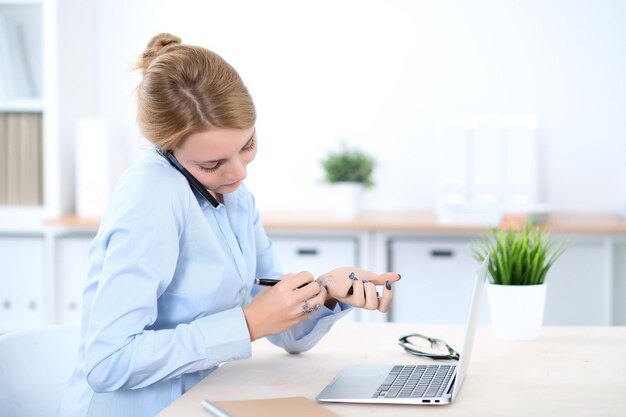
388, 285
365, 281
352, 276
399, 277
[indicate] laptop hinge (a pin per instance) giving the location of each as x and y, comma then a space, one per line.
451, 386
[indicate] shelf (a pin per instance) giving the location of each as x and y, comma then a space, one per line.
20, 2
22, 106
18, 219
409, 221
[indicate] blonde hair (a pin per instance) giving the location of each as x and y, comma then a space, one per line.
188, 89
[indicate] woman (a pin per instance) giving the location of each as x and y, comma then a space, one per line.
171, 288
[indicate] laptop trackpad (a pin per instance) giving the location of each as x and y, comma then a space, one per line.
353, 382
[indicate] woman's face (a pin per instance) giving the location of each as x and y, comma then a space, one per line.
218, 157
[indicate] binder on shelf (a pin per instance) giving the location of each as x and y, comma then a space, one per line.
21, 180
13, 155
30, 159
4, 159
16, 80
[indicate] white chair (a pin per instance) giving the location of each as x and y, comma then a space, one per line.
34, 367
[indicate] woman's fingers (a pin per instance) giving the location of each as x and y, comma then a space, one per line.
357, 298
313, 304
385, 300
371, 296
301, 284
378, 279
286, 304
294, 281
306, 294
338, 274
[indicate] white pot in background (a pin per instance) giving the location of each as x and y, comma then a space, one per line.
347, 198
516, 310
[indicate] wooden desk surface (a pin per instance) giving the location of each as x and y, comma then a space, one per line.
405, 221
568, 371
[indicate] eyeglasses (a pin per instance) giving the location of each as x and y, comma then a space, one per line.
428, 347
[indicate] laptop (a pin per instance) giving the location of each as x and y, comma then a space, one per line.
435, 383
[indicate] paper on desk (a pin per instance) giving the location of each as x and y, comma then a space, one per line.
275, 407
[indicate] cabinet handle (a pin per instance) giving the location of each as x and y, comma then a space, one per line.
6, 304
442, 253
307, 251
32, 305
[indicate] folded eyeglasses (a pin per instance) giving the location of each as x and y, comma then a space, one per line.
427, 347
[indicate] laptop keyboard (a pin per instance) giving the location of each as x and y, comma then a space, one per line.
416, 381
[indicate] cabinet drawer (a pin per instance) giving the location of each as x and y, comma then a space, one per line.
619, 294
577, 292
315, 254
72, 254
21, 282
437, 281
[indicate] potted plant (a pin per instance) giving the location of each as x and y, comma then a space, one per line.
518, 265
349, 171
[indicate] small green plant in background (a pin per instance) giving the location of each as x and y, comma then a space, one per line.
517, 257
349, 165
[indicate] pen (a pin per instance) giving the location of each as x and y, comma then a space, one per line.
213, 409
270, 282
267, 282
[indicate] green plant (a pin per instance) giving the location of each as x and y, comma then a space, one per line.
517, 257
349, 165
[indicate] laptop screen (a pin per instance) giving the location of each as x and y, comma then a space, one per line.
470, 331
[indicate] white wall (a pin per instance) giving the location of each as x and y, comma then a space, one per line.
378, 72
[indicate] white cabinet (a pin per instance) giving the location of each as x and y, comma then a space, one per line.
42, 278
42, 274
579, 290
437, 280
316, 254
71, 267
22, 282
619, 284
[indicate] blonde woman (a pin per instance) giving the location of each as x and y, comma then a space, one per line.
171, 290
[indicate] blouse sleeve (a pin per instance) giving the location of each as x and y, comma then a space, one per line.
134, 258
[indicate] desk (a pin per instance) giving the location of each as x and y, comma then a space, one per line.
568, 371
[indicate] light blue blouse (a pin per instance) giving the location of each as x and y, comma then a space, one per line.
162, 307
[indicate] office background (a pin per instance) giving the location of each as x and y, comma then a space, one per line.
376, 74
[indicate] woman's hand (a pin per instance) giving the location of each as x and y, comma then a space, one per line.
357, 287
279, 308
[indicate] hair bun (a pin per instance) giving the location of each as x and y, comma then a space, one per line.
156, 46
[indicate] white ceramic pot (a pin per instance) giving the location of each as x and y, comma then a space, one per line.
516, 310
347, 199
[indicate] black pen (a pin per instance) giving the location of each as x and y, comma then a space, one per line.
266, 282
270, 282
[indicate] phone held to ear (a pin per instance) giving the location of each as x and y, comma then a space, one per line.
193, 182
